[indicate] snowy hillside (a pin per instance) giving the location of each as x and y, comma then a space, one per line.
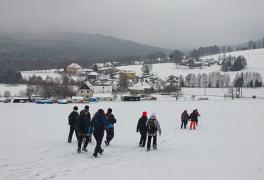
228, 143
255, 61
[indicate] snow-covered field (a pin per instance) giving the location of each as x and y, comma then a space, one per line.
42, 73
14, 89
255, 61
228, 143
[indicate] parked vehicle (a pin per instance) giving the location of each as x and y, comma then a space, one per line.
130, 98
62, 101
43, 101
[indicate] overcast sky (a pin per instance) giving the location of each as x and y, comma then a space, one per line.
166, 23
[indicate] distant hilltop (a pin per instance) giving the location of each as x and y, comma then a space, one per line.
60, 46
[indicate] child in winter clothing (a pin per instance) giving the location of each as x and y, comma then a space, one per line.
73, 121
142, 128
184, 119
152, 128
110, 121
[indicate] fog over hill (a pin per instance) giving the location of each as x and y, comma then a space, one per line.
58, 47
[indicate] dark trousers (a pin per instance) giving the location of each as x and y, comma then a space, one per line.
72, 129
98, 136
143, 139
83, 137
109, 134
184, 124
154, 141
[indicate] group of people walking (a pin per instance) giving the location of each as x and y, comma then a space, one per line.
84, 127
193, 117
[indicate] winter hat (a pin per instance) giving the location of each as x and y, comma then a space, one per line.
153, 116
109, 111
144, 114
86, 107
75, 108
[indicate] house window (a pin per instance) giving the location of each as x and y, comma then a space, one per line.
87, 91
81, 91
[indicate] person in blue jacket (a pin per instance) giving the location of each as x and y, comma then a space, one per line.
84, 129
110, 120
98, 126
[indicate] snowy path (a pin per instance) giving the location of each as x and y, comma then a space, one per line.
228, 143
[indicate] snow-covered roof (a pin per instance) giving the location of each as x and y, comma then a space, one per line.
140, 86
102, 95
93, 73
74, 65
89, 85
77, 98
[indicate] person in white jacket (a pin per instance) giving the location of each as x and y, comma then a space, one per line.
153, 127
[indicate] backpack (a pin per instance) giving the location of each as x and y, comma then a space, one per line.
151, 128
71, 119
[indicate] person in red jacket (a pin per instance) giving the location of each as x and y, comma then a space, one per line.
142, 128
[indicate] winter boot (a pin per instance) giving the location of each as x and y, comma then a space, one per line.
79, 150
106, 143
84, 149
95, 155
101, 151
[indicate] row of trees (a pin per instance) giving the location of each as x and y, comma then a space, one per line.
213, 79
248, 79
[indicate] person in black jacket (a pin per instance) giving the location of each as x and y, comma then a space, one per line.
110, 121
98, 125
73, 118
84, 129
142, 128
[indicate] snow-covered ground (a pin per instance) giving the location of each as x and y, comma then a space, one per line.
228, 143
211, 93
14, 89
42, 73
255, 61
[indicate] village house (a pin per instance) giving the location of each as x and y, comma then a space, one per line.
130, 74
86, 90
73, 69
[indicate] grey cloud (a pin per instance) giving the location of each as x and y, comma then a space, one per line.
166, 23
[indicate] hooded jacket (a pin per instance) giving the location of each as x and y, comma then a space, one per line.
84, 122
185, 116
156, 123
98, 123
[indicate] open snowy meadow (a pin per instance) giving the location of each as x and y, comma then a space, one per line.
227, 144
